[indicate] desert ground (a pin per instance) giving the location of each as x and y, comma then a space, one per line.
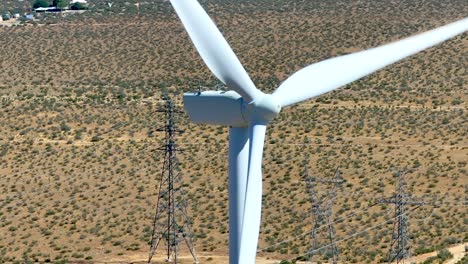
80, 163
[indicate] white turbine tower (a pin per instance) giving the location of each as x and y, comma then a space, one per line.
247, 110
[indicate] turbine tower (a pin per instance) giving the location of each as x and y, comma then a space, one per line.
247, 110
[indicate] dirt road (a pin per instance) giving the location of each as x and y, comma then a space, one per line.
458, 252
186, 259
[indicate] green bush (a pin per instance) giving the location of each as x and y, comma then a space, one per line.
464, 260
444, 254
60, 4
78, 6
40, 3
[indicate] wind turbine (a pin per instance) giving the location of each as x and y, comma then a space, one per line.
247, 110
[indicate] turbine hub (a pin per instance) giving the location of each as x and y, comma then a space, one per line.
263, 109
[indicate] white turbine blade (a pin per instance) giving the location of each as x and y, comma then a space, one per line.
333, 73
253, 196
238, 170
214, 49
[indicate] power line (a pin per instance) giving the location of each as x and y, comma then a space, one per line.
323, 226
350, 236
357, 233
344, 144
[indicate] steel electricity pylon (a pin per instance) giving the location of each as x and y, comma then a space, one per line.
400, 249
171, 222
322, 214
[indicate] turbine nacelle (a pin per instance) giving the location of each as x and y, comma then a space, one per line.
229, 108
215, 108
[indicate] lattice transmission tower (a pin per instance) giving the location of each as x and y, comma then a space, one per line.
171, 222
400, 249
322, 216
